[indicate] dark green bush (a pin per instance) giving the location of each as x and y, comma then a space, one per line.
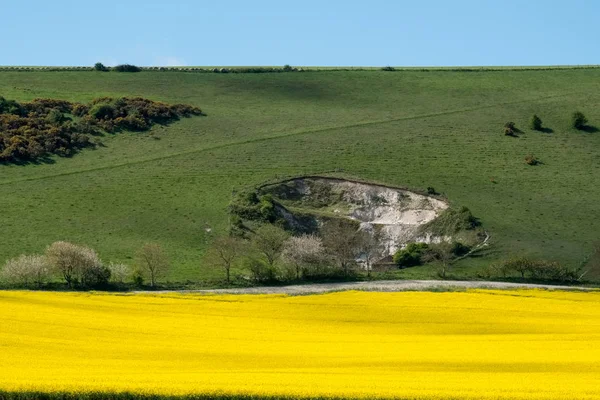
102, 111
578, 120
535, 123
100, 67
126, 68
411, 255
458, 249
388, 68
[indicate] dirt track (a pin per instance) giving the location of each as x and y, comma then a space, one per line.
385, 286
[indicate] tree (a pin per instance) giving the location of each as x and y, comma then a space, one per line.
152, 259
371, 247
303, 251
100, 67
71, 261
535, 123
342, 241
578, 120
441, 252
224, 251
119, 272
27, 268
269, 240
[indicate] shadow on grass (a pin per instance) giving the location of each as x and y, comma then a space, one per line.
589, 129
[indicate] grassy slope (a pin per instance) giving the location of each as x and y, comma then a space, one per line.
415, 129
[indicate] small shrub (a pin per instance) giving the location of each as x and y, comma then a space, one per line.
95, 276
100, 67
126, 68
509, 129
102, 111
535, 123
458, 249
260, 270
531, 160
432, 191
55, 117
411, 255
287, 68
578, 120
388, 68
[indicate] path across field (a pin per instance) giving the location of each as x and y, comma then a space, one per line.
386, 286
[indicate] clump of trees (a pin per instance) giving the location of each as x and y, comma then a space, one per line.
80, 267
42, 127
126, 68
524, 267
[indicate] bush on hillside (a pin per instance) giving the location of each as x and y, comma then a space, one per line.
578, 120
509, 129
100, 67
531, 160
535, 123
126, 68
33, 130
411, 255
388, 68
287, 68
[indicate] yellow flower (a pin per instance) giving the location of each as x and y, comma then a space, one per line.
474, 345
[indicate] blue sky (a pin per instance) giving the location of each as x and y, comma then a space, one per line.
302, 32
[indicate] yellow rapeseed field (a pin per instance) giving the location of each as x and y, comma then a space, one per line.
475, 344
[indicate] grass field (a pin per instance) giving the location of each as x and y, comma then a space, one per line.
408, 128
418, 345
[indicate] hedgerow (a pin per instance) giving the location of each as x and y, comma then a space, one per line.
33, 130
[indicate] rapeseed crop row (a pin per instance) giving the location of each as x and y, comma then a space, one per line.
464, 345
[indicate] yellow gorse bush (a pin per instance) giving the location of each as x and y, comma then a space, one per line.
475, 344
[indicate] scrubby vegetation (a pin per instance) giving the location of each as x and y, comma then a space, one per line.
578, 120
536, 269
33, 130
126, 68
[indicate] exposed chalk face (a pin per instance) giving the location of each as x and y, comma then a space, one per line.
396, 214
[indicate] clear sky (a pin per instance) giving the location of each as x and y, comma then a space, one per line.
300, 32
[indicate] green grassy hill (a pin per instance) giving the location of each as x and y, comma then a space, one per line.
408, 128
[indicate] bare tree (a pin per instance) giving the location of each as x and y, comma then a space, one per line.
27, 268
441, 252
224, 251
152, 259
370, 248
342, 241
269, 241
71, 261
302, 251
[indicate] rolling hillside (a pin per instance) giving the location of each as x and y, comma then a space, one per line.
408, 128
